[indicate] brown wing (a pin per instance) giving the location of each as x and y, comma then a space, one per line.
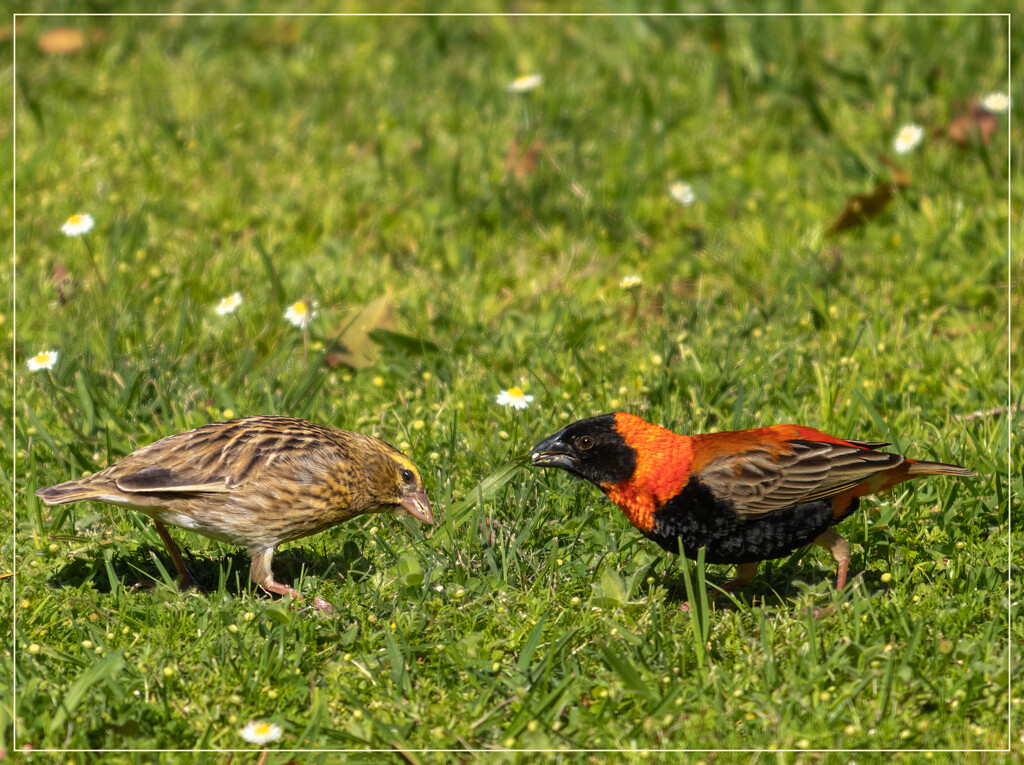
766, 478
154, 479
224, 456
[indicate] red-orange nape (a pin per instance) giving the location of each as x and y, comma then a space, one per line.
663, 461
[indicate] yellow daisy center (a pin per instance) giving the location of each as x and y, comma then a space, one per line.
75, 220
300, 307
515, 392
261, 728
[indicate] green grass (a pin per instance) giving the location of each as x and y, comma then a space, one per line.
360, 163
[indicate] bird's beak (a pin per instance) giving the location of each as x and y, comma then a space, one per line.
553, 452
418, 506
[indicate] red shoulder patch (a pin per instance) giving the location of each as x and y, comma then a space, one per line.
773, 438
803, 433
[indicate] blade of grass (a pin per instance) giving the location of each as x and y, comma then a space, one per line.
268, 265
105, 669
530, 646
459, 512
883, 427
85, 399
626, 671
697, 597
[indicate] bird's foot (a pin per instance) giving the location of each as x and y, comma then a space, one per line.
283, 589
322, 605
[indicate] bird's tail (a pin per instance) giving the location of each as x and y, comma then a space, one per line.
63, 493
920, 467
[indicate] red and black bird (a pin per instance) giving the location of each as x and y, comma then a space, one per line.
746, 496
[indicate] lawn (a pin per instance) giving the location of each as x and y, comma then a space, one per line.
454, 240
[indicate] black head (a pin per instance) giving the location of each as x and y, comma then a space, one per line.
591, 449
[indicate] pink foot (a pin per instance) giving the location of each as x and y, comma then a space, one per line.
283, 589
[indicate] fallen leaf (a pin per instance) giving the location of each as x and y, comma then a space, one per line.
61, 40
64, 282
976, 122
860, 208
402, 343
10, 32
520, 163
355, 348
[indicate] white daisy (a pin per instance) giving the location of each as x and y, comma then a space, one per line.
515, 398
300, 313
229, 304
631, 282
525, 83
997, 103
260, 732
682, 193
43, 360
908, 137
78, 224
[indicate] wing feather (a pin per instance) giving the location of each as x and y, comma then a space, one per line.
155, 479
765, 478
221, 457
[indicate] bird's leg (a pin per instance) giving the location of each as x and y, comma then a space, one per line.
186, 581
840, 551
839, 548
263, 576
744, 573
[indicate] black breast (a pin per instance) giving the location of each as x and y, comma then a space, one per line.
695, 518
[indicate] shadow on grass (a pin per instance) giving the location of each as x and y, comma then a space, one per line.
137, 569
778, 586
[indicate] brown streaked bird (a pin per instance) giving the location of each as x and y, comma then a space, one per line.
256, 482
746, 496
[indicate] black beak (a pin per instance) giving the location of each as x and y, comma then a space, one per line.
553, 452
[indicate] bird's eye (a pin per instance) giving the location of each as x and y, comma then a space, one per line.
407, 475
584, 442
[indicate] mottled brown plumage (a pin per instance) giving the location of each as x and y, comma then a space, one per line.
256, 482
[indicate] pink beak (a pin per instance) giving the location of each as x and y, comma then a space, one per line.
418, 506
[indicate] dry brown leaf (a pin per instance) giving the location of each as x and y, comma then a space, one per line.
9, 32
60, 273
355, 349
64, 282
521, 164
61, 40
860, 208
978, 121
